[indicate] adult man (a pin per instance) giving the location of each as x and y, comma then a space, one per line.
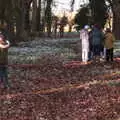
97, 42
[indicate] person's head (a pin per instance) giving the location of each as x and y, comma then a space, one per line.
86, 27
97, 26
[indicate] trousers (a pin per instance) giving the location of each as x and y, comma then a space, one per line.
85, 55
4, 75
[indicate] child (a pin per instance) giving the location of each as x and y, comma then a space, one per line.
4, 60
109, 40
84, 36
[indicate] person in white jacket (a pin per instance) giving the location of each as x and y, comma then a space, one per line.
84, 37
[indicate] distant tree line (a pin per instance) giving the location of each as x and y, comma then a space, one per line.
34, 17
29, 18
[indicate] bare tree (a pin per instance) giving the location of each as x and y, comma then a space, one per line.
48, 16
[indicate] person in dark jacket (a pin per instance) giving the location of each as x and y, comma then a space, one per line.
97, 41
90, 54
4, 45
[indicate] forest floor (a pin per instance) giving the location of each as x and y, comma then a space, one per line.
48, 82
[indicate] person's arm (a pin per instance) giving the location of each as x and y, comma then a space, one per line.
5, 46
8, 42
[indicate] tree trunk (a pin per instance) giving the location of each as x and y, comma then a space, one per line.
55, 28
70, 28
48, 16
20, 24
34, 13
116, 19
27, 19
19, 28
38, 16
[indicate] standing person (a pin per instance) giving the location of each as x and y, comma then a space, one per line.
109, 40
4, 45
97, 42
90, 45
84, 36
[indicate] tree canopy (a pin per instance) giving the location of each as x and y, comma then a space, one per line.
81, 18
17, 14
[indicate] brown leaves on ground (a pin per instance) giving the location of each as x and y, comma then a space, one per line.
50, 91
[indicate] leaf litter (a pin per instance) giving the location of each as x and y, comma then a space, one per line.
47, 90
